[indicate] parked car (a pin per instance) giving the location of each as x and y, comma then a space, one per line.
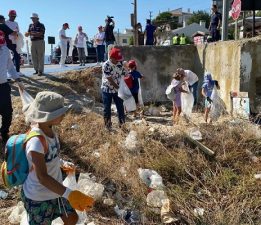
92, 55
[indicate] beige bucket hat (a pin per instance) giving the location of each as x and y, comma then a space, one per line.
45, 107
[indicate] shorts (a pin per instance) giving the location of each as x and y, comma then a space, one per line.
136, 97
44, 212
207, 104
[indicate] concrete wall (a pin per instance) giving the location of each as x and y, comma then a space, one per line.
158, 64
235, 64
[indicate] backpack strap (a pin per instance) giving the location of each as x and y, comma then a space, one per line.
42, 139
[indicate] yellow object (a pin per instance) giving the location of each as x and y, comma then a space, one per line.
80, 201
175, 40
182, 40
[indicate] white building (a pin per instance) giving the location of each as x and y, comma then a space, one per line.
183, 17
124, 38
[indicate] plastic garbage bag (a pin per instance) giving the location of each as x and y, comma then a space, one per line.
26, 98
3, 194
151, 178
217, 106
170, 92
70, 181
71, 43
19, 42
17, 213
24, 220
141, 104
130, 104
156, 198
91, 188
124, 92
187, 101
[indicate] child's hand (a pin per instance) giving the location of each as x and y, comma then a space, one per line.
68, 167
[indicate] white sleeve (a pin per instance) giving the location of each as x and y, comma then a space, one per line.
34, 145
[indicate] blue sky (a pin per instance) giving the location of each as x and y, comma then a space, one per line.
90, 13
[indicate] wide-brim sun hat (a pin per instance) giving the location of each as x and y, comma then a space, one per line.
46, 106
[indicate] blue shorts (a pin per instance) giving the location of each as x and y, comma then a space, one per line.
207, 104
44, 212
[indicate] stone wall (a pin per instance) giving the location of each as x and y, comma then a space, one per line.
235, 64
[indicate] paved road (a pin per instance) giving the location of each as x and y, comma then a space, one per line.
56, 68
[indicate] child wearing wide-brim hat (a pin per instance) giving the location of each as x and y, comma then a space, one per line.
44, 196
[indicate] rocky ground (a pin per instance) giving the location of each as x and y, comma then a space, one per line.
201, 189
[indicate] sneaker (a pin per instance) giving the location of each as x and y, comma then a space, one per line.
36, 72
83, 64
40, 74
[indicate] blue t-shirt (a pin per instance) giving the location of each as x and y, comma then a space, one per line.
136, 76
215, 19
208, 87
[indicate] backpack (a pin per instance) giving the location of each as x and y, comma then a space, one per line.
15, 167
170, 92
129, 80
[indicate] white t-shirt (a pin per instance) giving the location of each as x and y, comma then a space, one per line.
100, 35
81, 38
190, 77
62, 40
14, 26
33, 189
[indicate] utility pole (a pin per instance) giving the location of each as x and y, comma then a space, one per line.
150, 15
225, 20
136, 38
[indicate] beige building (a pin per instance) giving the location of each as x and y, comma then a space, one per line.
124, 38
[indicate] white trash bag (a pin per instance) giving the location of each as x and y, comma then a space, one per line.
151, 178
141, 104
70, 182
124, 92
130, 104
17, 213
187, 102
217, 106
26, 98
170, 92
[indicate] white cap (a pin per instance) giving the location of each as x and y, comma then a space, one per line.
34, 15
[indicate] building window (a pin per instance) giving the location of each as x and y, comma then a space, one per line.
124, 41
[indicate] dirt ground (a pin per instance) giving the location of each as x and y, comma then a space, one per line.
223, 185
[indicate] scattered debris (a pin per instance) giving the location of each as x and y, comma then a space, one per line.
3, 194
155, 198
17, 213
151, 178
131, 142
195, 134
166, 216
108, 201
199, 212
75, 126
258, 176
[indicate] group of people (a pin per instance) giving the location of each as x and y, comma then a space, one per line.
186, 77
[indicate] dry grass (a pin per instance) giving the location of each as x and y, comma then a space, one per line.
223, 185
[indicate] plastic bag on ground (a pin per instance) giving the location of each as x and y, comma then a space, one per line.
156, 198
17, 213
130, 104
131, 141
24, 220
187, 102
217, 106
151, 178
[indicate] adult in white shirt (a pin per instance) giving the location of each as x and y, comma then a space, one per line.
11, 43
80, 42
63, 43
99, 40
192, 80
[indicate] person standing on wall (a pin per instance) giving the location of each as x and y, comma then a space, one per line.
183, 40
80, 42
99, 40
6, 65
36, 32
149, 33
175, 40
63, 43
11, 42
215, 24
109, 35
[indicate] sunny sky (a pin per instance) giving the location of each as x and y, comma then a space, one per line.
90, 14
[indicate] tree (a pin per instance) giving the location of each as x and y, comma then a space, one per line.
200, 15
165, 18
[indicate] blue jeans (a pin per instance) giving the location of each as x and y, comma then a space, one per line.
195, 92
107, 100
100, 53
